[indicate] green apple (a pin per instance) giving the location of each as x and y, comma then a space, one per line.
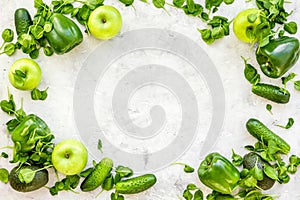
245, 23
25, 74
105, 22
69, 157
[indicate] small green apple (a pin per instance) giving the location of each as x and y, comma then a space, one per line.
25, 74
105, 22
69, 157
243, 27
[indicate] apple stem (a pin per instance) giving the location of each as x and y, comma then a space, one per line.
67, 155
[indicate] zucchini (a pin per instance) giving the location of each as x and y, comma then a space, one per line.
40, 179
271, 92
258, 130
97, 176
135, 185
22, 20
250, 160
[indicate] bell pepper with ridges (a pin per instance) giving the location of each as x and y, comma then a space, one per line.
65, 34
29, 136
218, 173
277, 57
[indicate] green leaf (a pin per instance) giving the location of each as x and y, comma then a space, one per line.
297, 85
26, 175
124, 171
187, 195
100, 146
86, 172
127, 2
48, 27
209, 4
198, 195
191, 186
237, 160
270, 172
190, 6
116, 196
37, 94
252, 18
34, 54
37, 31
84, 13
217, 32
9, 105
159, 3
257, 173
7, 35
250, 73
188, 169
9, 49
48, 51
288, 125
4, 175
74, 180
269, 108
249, 181
67, 9
178, 3
38, 3
288, 78
228, 1
4, 155
12, 124
206, 36
108, 183
291, 27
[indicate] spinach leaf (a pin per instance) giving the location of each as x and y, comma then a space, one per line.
37, 94
291, 27
289, 124
269, 108
4, 175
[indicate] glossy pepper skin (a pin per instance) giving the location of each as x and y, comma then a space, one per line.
29, 131
65, 34
277, 57
218, 173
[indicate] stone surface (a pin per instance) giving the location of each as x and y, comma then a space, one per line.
60, 75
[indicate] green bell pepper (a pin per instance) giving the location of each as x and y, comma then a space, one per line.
30, 130
65, 34
277, 57
218, 173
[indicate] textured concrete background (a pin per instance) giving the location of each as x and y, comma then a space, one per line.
60, 75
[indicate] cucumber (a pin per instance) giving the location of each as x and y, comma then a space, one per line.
40, 179
136, 185
250, 160
271, 92
97, 176
258, 130
22, 20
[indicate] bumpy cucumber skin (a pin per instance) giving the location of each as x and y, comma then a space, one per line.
258, 130
22, 20
136, 185
271, 92
97, 177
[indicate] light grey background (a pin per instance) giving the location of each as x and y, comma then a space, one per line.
60, 75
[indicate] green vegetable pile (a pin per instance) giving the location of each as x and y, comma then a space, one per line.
259, 170
53, 30
32, 154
